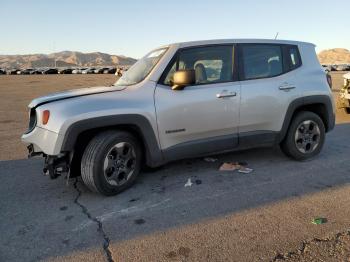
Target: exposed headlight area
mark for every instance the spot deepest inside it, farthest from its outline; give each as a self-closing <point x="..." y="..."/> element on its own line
<point x="32" y="120"/>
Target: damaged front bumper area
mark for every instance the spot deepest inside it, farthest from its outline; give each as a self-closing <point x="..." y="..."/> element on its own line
<point x="54" y="166"/>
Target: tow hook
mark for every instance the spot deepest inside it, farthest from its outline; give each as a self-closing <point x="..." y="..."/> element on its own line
<point x="56" y="166"/>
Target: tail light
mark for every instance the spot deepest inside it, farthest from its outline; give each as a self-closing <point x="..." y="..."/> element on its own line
<point x="329" y="80"/>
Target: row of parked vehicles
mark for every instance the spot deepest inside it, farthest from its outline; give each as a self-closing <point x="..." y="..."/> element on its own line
<point x="340" y="67"/>
<point x="50" y="71"/>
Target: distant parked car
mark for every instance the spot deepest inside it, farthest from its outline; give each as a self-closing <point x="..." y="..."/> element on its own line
<point x="36" y="72"/>
<point x="100" y="70"/>
<point x="27" y="71"/>
<point x="2" y="72"/>
<point x="88" y="71"/>
<point x="78" y="70"/>
<point x="12" y="71"/>
<point x="50" y="71"/>
<point x="342" y="68"/>
<point x="65" y="71"/>
<point x="110" y="70"/>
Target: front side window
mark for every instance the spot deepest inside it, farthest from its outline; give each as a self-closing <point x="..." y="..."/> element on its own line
<point x="261" y="61"/>
<point x="141" y="68"/>
<point x="212" y="64"/>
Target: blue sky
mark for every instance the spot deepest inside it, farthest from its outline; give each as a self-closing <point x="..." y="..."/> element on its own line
<point x="133" y="27"/>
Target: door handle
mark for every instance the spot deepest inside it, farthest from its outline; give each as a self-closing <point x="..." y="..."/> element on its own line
<point x="226" y="94"/>
<point x="286" y="87"/>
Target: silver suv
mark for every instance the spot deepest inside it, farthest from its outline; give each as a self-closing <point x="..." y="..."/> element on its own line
<point x="185" y="100"/>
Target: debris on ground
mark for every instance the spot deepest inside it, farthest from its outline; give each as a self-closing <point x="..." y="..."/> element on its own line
<point x="188" y="183"/>
<point x="229" y="167"/>
<point x="210" y="159"/>
<point x="245" y="170"/>
<point x="198" y="181"/>
<point x="319" y="220"/>
<point x="233" y="166"/>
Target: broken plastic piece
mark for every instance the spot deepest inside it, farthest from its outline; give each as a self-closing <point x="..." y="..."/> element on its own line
<point x="245" y="170"/>
<point x="229" y="167"/>
<point x="210" y="159"/>
<point x="319" y="220"/>
<point x="188" y="183"/>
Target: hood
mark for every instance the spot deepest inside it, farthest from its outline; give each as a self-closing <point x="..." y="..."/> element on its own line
<point x="347" y="76"/>
<point x="74" y="93"/>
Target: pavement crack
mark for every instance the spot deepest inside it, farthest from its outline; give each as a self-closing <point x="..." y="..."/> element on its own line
<point x="100" y="229"/>
<point x="306" y="246"/>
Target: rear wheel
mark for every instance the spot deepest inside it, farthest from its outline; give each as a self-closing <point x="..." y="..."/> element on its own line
<point x="305" y="137"/>
<point x="111" y="162"/>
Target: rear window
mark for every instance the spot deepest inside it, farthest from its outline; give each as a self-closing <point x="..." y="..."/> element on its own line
<point x="261" y="61"/>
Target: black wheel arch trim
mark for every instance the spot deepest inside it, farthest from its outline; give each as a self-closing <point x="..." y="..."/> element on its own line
<point x="153" y="154"/>
<point x="308" y="101"/>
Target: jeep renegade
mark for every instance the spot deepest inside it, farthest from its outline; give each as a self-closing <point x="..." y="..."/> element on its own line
<point x="185" y="100"/>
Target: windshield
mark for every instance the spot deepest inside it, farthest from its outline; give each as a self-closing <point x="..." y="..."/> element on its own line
<point x="141" y="68"/>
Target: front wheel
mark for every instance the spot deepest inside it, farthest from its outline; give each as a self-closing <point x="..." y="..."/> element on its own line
<point x="305" y="137"/>
<point x="111" y="162"/>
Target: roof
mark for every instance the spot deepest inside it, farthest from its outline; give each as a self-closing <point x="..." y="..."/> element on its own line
<point x="230" y="41"/>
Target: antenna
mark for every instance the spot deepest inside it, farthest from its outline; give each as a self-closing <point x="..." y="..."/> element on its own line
<point x="276" y="35"/>
<point x="54" y="50"/>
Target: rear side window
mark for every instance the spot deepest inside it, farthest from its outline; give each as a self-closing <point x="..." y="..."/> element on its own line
<point x="261" y="61"/>
<point x="294" y="57"/>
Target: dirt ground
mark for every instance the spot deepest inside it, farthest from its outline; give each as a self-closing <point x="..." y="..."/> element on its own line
<point x="16" y="92"/>
<point x="282" y="223"/>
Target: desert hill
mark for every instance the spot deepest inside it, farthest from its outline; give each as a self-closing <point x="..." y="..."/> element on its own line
<point x="334" y="56"/>
<point x="65" y="58"/>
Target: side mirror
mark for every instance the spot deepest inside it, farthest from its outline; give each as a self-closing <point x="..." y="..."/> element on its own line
<point x="183" y="78"/>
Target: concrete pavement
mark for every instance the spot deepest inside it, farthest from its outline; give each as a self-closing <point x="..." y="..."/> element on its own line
<point x="258" y="215"/>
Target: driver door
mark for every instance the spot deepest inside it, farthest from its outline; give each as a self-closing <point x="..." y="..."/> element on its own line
<point x="202" y="118"/>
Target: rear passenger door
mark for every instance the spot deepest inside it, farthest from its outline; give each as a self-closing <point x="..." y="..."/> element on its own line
<point x="267" y="78"/>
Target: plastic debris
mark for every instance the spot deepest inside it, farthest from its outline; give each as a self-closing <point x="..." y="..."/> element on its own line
<point x="319" y="220"/>
<point x="233" y="166"/>
<point x="229" y="167"/>
<point x="245" y="170"/>
<point x="188" y="183"/>
<point x="210" y="159"/>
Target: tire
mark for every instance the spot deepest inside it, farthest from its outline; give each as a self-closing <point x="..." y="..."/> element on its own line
<point x="302" y="146"/>
<point x="107" y="160"/>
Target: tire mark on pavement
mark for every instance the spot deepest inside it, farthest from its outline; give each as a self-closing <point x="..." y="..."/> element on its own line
<point x="95" y="220"/>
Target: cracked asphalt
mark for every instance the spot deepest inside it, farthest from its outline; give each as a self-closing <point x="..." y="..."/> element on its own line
<point x="228" y="216"/>
<point x="223" y="216"/>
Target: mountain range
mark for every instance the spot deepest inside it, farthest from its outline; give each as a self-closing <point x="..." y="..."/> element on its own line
<point x="64" y="59"/>
<point x="73" y="58"/>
